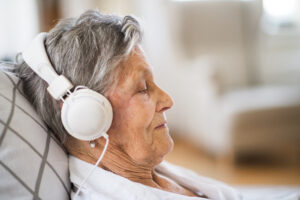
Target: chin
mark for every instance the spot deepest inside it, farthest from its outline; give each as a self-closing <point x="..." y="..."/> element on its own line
<point x="160" y="150"/>
<point x="162" y="145"/>
<point x="171" y="145"/>
<point x="166" y="147"/>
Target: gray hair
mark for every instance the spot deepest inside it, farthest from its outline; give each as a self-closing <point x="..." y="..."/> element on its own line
<point x="87" y="51"/>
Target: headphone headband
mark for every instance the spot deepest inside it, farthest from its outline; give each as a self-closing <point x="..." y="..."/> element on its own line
<point x="37" y="59"/>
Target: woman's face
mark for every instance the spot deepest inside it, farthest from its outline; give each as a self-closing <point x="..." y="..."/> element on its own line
<point x="139" y="124"/>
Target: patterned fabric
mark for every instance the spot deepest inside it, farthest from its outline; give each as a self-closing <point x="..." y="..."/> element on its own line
<point x="33" y="165"/>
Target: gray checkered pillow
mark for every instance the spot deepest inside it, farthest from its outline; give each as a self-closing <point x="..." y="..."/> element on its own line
<point x="32" y="163"/>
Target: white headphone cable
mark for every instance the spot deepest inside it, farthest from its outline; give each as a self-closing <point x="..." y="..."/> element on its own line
<point x="95" y="166"/>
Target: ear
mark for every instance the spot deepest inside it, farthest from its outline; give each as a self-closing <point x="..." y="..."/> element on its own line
<point x="61" y="105"/>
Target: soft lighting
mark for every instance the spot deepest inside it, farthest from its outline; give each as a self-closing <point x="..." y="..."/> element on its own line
<point x="280" y="8"/>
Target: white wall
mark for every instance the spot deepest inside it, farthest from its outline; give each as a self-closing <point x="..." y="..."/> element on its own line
<point x="73" y="8"/>
<point x="278" y="59"/>
<point x="19" y="23"/>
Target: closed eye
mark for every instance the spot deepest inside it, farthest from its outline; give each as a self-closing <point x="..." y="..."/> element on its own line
<point x="143" y="91"/>
<point x="143" y="87"/>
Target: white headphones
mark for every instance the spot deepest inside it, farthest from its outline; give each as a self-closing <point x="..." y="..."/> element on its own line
<point x="85" y="114"/>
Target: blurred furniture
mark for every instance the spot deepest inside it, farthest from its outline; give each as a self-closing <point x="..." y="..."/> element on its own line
<point x="263" y="123"/>
<point x="255" y="123"/>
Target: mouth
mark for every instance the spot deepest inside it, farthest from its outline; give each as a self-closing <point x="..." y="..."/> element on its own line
<point x="162" y="125"/>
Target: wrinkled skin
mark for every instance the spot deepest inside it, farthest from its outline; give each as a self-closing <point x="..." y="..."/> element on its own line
<point x="139" y="135"/>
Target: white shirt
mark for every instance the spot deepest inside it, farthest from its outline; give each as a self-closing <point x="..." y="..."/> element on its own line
<point x="106" y="185"/>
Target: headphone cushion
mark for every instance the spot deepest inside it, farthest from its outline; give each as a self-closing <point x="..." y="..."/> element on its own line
<point x="86" y="114"/>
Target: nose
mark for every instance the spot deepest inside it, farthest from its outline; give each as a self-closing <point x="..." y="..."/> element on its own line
<point x="165" y="102"/>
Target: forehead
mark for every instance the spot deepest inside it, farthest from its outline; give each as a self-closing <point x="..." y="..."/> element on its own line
<point x="134" y="66"/>
<point x="132" y="70"/>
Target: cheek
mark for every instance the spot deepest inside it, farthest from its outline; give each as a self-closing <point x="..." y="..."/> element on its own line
<point x="131" y="126"/>
<point x="140" y="112"/>
<point x="134" y="115"/>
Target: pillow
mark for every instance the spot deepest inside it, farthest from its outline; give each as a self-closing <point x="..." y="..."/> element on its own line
<point x="33" y="165"/>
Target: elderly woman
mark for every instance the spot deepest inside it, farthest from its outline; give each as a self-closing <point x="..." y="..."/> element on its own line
<point x="103" y="53"/>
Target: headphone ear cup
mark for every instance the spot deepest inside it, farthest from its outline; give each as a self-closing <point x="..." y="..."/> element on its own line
<point x="86" y="114"/>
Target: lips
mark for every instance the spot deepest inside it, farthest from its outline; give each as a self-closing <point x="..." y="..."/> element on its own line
<point x="164" y="124"/>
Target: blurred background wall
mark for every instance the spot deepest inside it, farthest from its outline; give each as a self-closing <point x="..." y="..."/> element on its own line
<point x="231" y="66"/>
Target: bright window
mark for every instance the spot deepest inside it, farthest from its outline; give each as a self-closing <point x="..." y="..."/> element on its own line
<point x="280" y="9"/>
<point x="281" y="16"/>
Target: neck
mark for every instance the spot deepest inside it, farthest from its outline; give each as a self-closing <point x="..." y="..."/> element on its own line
<point x="119" y="162"/>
